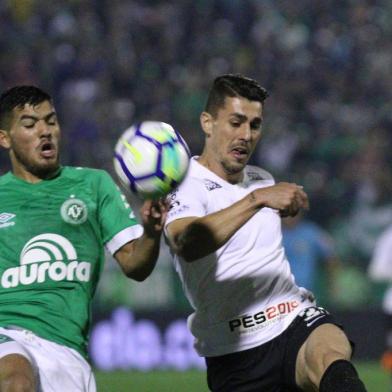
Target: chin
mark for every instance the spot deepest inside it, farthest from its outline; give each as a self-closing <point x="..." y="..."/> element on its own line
<point x="45" y="171"/>
<point x="234" y="168"/>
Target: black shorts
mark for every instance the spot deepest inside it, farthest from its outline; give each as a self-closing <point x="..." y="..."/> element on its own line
<point x="269" y="367"/>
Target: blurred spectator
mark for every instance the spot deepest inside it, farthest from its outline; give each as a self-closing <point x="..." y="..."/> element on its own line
<point x="327" y="65"/>
<point x="380" y="270"/>
<point x="311" y="253"/>
<point x="371" y="210"/>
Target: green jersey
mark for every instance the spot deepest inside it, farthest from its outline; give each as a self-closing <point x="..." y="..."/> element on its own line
<point x="52" y="239"/>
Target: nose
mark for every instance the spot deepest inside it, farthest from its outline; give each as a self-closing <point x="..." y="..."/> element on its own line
<point x="245" y="132"/>
<point x="43" y="128"/>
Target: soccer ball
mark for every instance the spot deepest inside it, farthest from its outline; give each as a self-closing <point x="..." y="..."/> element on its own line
<point x="151" y="159"/>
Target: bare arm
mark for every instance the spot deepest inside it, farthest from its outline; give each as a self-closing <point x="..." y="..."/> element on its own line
<point x="137" y="258"/>
<point x="194" y="237"/>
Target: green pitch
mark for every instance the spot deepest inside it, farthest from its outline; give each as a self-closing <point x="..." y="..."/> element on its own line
<point x="375" y="379"/>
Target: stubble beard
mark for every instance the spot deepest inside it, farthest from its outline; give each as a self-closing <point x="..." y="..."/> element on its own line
<point x="232" y="169"/>
<point x="42" y="171"/>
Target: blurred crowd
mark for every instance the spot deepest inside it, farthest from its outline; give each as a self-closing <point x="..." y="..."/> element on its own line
<point x="327" y="65"/>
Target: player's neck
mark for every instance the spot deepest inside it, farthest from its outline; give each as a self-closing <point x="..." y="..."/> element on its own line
<point x="33" y="178"/>
<point x="217" y="168"/>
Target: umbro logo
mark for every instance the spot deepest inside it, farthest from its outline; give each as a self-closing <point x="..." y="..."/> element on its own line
<point x="5" y="218"/>
<point x="211" y="185"/>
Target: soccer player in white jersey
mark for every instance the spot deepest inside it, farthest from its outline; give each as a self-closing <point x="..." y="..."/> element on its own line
<point x="54" y="224"/>
<point x="257" y="330"/>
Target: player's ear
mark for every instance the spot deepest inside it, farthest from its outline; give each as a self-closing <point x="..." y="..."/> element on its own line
<point x="5" y="141"/>
<point x="206" y="123"/>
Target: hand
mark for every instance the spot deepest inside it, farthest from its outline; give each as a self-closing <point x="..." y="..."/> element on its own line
<point x="153" y="215"/>
<point x="287" y="198"/>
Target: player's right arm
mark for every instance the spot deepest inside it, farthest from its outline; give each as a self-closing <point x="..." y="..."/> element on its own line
<point x="195" y="237"/>
<point x="137" y="258"/>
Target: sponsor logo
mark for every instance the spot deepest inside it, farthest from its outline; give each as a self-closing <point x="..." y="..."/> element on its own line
<point x="174" y="204"/>
<point x="177" y="209"/>
<point x="254" y="176"/>
<point x="253" y="322"/>
<point x="45" y="257"/>
<point x="312" y="314"/>
<point x="172" y="199"/>
<point x="74" y="211"/>
<point x="211" y="185"/>
<point x="5" y="218"/>
<point x="5" y="339"/>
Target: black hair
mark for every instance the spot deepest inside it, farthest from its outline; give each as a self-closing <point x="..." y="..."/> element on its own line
<point x="18" y="97"/>
<point x="233" y="85"/>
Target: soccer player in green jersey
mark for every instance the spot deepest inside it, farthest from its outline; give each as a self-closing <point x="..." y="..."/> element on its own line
<point x="54" y="224"/>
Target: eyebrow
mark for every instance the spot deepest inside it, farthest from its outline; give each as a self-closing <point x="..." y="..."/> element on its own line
<point x="242" y="117"/>
<point x="35" y="118"/>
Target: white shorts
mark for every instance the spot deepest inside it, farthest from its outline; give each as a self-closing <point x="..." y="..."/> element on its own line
<point x="59" y="368"/>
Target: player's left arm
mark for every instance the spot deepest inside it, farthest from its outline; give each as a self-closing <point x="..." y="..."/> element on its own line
<point x="137" y="258"/>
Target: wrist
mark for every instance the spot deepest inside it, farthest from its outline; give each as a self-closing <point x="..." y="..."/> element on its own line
<point x="152" y="234"/>
<point x="255" y="200"/>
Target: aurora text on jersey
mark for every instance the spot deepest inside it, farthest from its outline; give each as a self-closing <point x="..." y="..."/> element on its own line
<point x="50" y="263"/>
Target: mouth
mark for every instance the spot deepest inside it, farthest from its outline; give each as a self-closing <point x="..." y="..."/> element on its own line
<point x="239" y="152"/>
<point x="47" y="150"/>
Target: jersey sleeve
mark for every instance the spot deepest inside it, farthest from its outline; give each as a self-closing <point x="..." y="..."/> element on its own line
<point x="116" y="218"/>
<point x="190" y="199"/>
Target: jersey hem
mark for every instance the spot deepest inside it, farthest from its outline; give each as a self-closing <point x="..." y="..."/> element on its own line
<point x="234" y="348"/>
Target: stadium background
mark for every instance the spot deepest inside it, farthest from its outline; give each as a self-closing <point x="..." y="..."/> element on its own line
<point x="110" y="63"/>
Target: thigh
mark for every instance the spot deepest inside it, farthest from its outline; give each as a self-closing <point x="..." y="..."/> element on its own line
<point x="297" y="336"/>
<point x="16" y="364"/>
<point x="62" y="369"/>
<point x="326" y="344"/>
<point x="58" y="367"/>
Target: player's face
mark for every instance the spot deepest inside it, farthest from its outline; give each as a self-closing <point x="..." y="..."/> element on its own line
<point x="232" y="135"/>
<point x="33" y="140"/>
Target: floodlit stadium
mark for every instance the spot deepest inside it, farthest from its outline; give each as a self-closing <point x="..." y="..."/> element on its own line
<point x="328" y="126"/>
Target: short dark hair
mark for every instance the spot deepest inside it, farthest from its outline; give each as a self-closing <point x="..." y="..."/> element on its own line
<point x="233" y="85"/>
<point x="19" y="96"/>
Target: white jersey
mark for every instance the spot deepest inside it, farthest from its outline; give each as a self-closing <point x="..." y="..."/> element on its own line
<point x="380" y="268"/>
<point x="244" y="293"/>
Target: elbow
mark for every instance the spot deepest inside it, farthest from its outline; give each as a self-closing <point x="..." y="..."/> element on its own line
<point x="190" y="257"/>
<point x="188" y="253"/>
<point x="139" y="273"/>
<point x="138" y="276"/>
<point x="194" y="242"/>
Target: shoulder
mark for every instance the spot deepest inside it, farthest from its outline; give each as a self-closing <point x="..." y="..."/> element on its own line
<point x="80" y="171"/>
<point x="94" y="179"/>
<point x="200" y="179"/>
<point x="256" y="173"/>
<point x="196" y="175"/>
<point x="86" y="173"/>
<point x="5" y="178"/>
